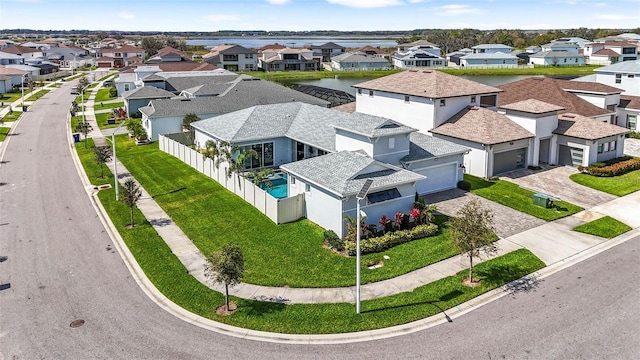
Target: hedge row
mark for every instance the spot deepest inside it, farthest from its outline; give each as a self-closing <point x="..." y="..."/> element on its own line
<point x="391" y="239"/>
<point x="614" y="169"/>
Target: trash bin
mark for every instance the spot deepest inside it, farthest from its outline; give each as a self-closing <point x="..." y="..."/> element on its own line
<point x="24" y="108"/>
<point x="76" y="137"/>
<point x="542" y="200"/>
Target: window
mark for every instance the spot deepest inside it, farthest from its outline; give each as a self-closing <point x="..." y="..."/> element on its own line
<point x="293" y="180"/>
<point x="628" y="50"/>
<point x="442" y="102"/>
<point x="600" y="148"/>
<point x="370" y="93"/>
<point x="307" y="188"/>
<point x="473" y="99"/>
<point x="605" y="147"/>
<point x="632" y="122"/>
<point x="576" y="60"/>
<point x="265" y="155"/>
<point x="359" y="91"/>
<point x="565" y="59"/>
<point x="630" y="76"/>
<point x="612" y="146"/>
<point x="618" y="78"/>
<point x="384" y="195"/>
<point x="392" y="143"/>
<point x="406" y="99"/>
<point x="126" y="87"/>
<point x="248" y="56"/>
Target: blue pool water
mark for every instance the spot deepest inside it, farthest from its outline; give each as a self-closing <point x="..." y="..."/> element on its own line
<point x="279" y="190"/>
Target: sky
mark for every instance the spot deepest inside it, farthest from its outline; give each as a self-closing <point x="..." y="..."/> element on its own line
<point x="301" y="15"/>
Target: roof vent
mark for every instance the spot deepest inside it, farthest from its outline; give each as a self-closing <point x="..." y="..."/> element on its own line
<point x="389" y="126"/>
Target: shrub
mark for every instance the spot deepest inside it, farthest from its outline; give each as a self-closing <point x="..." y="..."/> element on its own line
<point x="634" y="134"/>
<point x="419" y="203"/>
<point x="334" y="240"/>
<point x="113" y="92"/>
<point x="391" y="239"/>
<point x="494" y="178"/>
<point x="137" y="115"/>
<point x="464" y="185"/>
<point x="598" y="164"/>
<point x="614" y="167"/>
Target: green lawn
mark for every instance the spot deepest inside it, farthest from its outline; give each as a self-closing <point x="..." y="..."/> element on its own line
<point x="37" y="95"/>
<point x="101" y="106"/>
<point x="103" y="95"/>
<point x="86" y="95"/>
<point x="211" y="216"/>
<point x="12" y="116"/>
<point x="537" y="70"/>
<point x="616" y="185"/>
<point x="606" y="227"/>
<point x="170" y="277"/>
<point x="517" y="198"/>
<point x="10" y="97"/>
<point x="3" y="132"/>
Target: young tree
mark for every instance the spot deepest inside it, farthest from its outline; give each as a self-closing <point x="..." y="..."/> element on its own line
<point x="472" y="232"/>
<point x="84" y="128"/>
<point x="186" y="124"/>
<point x="261" y="178"/>
<point x="131" y="193"/>
<point x="238" y="164"/>
<point x="83" y="84"/>
<point x="102" y="154"/>
<point x="226" y="267"/>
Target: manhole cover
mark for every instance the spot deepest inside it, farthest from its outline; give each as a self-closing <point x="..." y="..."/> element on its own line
<point x="77" y="323"/>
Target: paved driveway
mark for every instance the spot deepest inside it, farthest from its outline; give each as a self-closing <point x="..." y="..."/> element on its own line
<point x="506" y="220"/>
<point x="554" y="181"/>
<point x="632" y="147"/>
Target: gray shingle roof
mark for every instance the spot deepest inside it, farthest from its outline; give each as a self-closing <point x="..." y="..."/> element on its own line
<point x="373" y="126"/>
<point x="359" y="58"/>
<point x="556" y="53"/>
<point x="343" y="173"/>
<point x="147" y="92"/>
<point x="423" y="147"/>
<point x="496" y="55"/>
<point x="630" y="66"/>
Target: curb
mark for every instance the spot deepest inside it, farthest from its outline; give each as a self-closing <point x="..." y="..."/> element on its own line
<point x="163" y="302"/>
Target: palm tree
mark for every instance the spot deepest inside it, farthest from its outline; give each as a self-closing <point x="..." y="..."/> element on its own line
<point x="186" y="124"/>
<point x="131" y="194"/>
<point x="238" y="164"/>
<point x="427" y="214"/>
<point x="261" y="178"/>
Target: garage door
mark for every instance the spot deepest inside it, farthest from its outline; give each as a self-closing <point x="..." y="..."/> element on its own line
<point x="570" y="156"/>
<point x="509" y="160"/>
<point x="439" y="178"/>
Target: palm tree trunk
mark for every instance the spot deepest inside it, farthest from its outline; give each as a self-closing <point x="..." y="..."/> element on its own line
<point x="226" y="295"/>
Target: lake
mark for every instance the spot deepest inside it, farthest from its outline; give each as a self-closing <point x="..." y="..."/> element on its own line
<point x="345" y="84"/>
<point x="251" y="42"/>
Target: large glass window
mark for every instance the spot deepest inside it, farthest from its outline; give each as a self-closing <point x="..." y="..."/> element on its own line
<point x="632" y="122"/>
<point x="383" y="195"/>
<point x="265" y="155"/>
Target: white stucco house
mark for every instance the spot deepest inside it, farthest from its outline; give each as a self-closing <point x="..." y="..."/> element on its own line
<point x="623" y="75"/>
<point x="327" y="155"/>
<point x="489" y="59"/>
<point x="557" y="58"/>
<point x="359" y="61"/>
<point x="507" y="133"/>
<point x="232" y="57"/>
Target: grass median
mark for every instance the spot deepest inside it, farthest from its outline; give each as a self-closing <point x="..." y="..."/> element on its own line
<point x="170" y="277"/>
<point x="606" y="227"/>
<point x="620" y="185"/>
<point x="517" y="198"/>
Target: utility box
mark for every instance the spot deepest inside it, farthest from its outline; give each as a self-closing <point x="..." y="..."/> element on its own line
<point x="542" y="200"/>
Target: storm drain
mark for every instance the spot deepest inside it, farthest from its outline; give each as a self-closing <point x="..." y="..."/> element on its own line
<point x="77" y="323"/>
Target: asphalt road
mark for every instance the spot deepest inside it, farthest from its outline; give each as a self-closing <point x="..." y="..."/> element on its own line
<point x="58" y="265"/>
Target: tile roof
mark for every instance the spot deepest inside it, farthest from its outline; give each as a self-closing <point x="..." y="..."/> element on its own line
<point x="532" y="106"/>
<point x="582" y="127"/>
<point x="147" y="92"/>
<point x="550" y="91"/>
<point x="368" y="49"/>
<point x="418" y="43"/>
<point x="348" y="107"/>
<point x="590" y="87"/>
<point x="349" y="171"/>
<point x="422" y="146"/>
<point x="128" y="49"/>
<point x="17" y="49"/>
<point x="428" y="84"/>
<point x="482" y="126"/>
<point x="606" y="52"/>
<point x="328" y="45"/>
<point x="630" y="102"/>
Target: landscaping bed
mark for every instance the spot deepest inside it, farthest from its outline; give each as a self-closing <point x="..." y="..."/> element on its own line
<point x="606" y="227"/>
<point x="517" y="198"/>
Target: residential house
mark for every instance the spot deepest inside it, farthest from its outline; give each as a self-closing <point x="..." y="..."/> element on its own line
<point x="422" y="44"/>
<point x="610" y="52"/>
<point x="629" y="112"/>
<point x="70" y="57"/>
<point x="288" y="59"/>
<point x="168" y="54"/>
<point x="232" y="93"/>
<point x="370" y="50"/>
<point x="45" y="67"/>
<point x="232" y="58"/>
<point x="305" y="140"/>
<point x="497" y="123"/>
<point x="417" y="57"/>
<point x="580" y="42"/>
<point x="132" y="78"/>
<point x="119" y="57"/>
<point x="488" y="59"/>
<point x="491" y="49"/>
<point x="327" y="51"/>
<point x="10" y="59"/>
<point x="623" y="75"/>
<point x="454" y="57"/>
<point x="359" y="61"/>
<point x="136" y="98"/>
<point x="557" y="58"/>
<point x="10" y="78"/>
<point x="25" y="52"/>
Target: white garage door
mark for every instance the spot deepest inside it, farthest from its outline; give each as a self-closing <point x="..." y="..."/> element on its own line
<point x="439" y="178"/>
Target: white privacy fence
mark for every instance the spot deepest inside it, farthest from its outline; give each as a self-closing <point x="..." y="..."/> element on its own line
<point x="278" y="210"/>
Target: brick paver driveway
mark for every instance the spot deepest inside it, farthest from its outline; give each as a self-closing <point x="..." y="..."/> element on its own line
<point x="554" y="181"/>
<point x="507" y="221"/>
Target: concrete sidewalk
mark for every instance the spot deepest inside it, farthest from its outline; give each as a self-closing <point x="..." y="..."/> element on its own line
<point x="552" y="242"/>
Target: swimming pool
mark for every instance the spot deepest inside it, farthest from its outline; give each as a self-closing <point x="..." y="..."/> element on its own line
<point x="279" y="182"/>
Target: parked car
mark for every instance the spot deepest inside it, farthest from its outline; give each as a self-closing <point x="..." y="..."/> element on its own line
<point x="107" y="83"/>
<point x="75" y="91"/>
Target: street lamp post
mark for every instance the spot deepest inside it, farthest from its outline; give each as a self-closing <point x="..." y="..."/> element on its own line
<point x="22" y="87"/>
<point x="361" y="195"/>
<point x="115" y="159"/>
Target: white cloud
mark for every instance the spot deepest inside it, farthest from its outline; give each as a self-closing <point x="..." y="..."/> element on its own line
<point x="614" y="17"/>
<point x="278" y="2"/>
<point x="455" y="10"/>
<point x="366" y="4"/>
<point x="600" y="4"/>
<point x="222" y="17"/>
<point x="126" y="15"/>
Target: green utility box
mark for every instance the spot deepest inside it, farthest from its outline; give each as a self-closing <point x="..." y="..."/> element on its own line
<point x="542" y="200"/>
